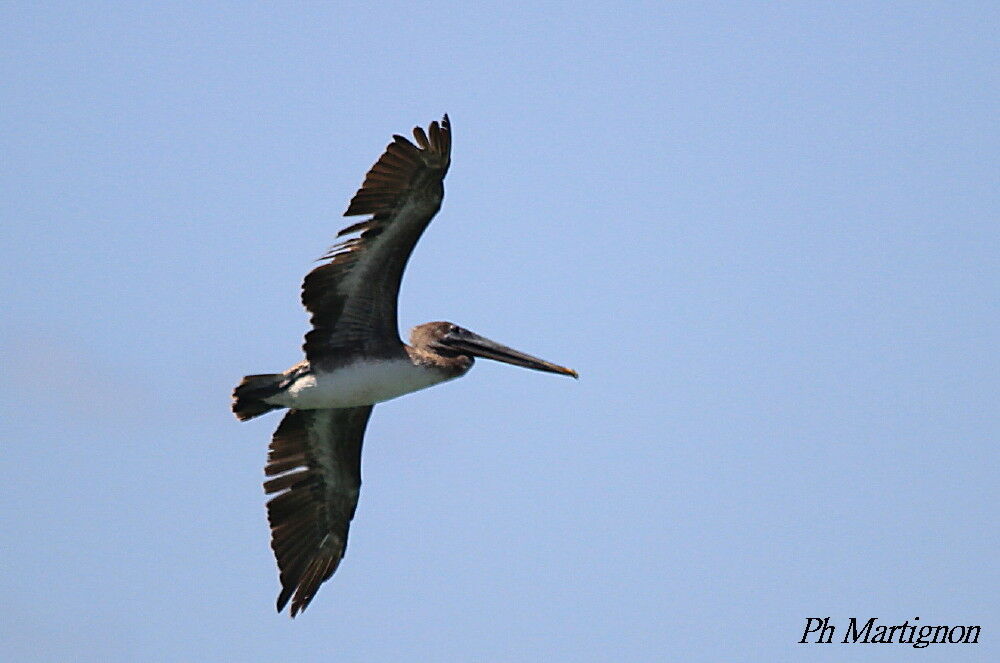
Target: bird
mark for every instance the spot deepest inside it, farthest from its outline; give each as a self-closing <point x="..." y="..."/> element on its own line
<point x="354" y="358"/>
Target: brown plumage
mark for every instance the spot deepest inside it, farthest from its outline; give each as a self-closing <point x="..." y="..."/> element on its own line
<point x="352" y="298"/>
<point x="355" y="358"/>
<point x="315" y="455"/>
<point x="315" y="465"/>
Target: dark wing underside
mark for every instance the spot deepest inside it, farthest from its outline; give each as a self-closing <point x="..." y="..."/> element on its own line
<point x="315" y="462"/>
<point x="352" y="298"/>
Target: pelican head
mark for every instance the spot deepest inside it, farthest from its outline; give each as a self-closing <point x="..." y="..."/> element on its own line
<point x="447" y="339"/>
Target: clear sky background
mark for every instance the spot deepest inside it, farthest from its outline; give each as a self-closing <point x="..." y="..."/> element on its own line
<point x="764" y="233"/>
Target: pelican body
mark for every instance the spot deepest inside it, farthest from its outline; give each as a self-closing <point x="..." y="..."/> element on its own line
<point x="355" y="359"/>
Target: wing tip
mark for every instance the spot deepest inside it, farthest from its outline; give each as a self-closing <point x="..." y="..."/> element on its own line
<point x="302" y="590"/>
<point x="394" y="169"/>
<point x="286" y="593"/>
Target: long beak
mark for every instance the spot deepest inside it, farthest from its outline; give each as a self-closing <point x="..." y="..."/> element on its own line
<point x="478" y="346"/>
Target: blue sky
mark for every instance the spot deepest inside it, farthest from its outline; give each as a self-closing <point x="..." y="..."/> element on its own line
<point x="765" y="234"/>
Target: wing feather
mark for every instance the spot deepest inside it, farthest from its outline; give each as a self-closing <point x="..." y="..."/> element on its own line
<point x="315" y="462"/>
<point x="359" y="285"/>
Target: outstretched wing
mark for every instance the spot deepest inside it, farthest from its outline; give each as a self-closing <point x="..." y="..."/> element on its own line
<point x="352" y="298"/>
<point x="315" y="462"/>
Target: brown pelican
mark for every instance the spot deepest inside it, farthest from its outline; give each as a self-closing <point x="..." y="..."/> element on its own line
<point x="354" y="359"/>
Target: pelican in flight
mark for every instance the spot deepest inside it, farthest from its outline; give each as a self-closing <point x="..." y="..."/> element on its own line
<point x="354" y="359"/>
